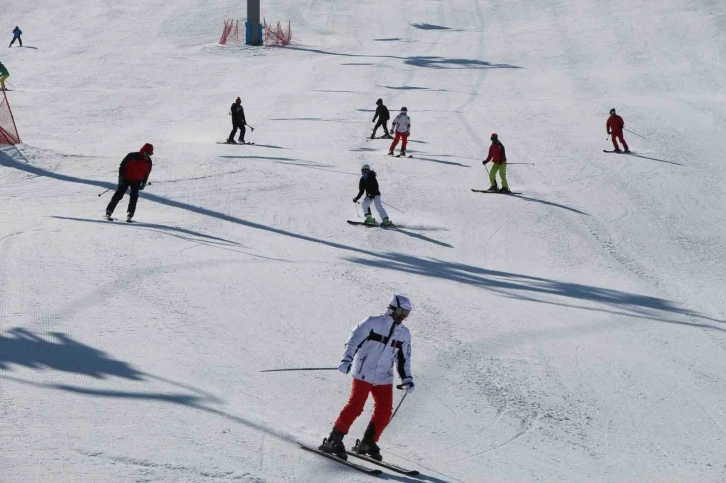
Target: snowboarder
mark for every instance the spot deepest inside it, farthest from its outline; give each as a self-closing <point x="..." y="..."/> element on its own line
<point x="374" y="347"/>
<point x="133" y="173"/>
<point x="16" y="36"/>
<point x="238" y="122"/>
<point x="401" y="130"/>
<point x="369" y="185"/>
<point x="3" y="75"/>
<point x="383" y="117"/>
<point x="498" y="156"/>
<point x="614" y="126"/>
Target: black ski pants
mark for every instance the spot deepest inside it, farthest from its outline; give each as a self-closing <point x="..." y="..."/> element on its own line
<point x="14" y="39"/>
<point x="381" y="122"/>
<point x="121" y="191"/>
<point x="242" y="130"/>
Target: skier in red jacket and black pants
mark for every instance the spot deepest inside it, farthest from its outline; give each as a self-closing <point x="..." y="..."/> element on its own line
<point x="614" y="126"/>
<point x="133" y="173"/>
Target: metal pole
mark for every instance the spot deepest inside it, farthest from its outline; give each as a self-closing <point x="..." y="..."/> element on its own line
<point x="399" y="405"/>
<point x="253" y="20"/>
<point x="390" y="206"/>
<point x="631" y="132"/>
<point x="302" y="369"/>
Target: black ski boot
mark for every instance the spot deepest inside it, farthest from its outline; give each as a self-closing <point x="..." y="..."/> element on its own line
<point x="368" y="447"/>
<point x="231" y="141"/>
<point x="493" y="188"/>
<point x="333" y="444"/>
<point x="390" y="153"/>
<point x="505" y="190"/>
<point x="403" y="153"/>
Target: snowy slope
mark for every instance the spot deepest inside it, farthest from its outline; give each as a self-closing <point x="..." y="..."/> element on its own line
<point x="576" y="332"/>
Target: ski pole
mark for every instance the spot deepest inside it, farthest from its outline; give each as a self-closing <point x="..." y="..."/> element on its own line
<point x="392" y="207"/>
<point x="399" y="404"/>
<point x="99" y="194"/>
<point x="631" y="132"/>
<point x="253" y="129"/>
<point x="356" y="209"/>
<point x="530" y="164"/>
<point x="302" y="369"/>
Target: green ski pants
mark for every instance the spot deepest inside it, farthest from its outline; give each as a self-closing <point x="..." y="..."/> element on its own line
<point x="502" y="170"/>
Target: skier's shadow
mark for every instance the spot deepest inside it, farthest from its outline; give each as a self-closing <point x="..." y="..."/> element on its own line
<point x="409" y="479"/>
<point x="655" y="159"/>
<point x="420" y="237"/>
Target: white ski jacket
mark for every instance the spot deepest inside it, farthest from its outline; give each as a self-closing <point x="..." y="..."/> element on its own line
<point x="402" y="123"/>
<point x="374" y="346"/>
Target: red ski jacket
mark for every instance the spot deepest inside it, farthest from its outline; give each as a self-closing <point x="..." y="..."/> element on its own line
<point x="135" y="167"/>
<point x="497" y="154"/>
<point x="615" y="124"/>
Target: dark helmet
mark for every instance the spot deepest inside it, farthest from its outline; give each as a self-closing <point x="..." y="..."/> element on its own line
<point x="404" y="109"/>
<point x="494" y="137"/>
<point x="612" y="111"/>
<point x="379" y="101"/>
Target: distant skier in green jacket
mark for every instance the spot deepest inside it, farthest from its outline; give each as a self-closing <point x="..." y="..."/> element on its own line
<point x="3" y="75"/>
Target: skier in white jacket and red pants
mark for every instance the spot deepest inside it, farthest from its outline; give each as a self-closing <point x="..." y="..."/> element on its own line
<point x="401" y="130"/>
<point x="374" y="347"/>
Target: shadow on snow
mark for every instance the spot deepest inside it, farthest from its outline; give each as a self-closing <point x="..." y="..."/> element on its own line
<point x="503" y="283"/>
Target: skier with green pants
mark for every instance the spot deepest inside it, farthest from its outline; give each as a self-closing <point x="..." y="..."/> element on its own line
<point x="3" y="75"/>
<point x="498" y="156"/>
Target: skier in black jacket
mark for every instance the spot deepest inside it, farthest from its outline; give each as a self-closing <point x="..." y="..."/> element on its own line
<point x="369" y="184"/>
<point x="383" y="117"/>
<point x="238" y="122"/>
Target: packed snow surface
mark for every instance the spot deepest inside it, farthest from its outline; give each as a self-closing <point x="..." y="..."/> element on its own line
<point x="576" y="332"/>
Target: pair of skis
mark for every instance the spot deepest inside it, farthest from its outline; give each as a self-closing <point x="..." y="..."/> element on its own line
<point x="359" y="467"/>
<point x="110" y="218"/>
<point x="497" y="192"/>
<point x="357" y="223"/>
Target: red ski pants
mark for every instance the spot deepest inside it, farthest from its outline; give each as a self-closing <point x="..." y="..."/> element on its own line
<point x="619" y="135"/>
<point x="382" y="407"/>
<point x="399" y="135"/>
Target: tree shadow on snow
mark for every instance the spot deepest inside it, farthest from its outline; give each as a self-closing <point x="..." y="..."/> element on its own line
<point x="428" y="26"/>
<point x="159" y="227"/>
<point x="24" y="348"/>
<point x="27" y="349"/>
<point x="292" y="162"/>
<point x="431" y="62"/>
<point x="441" y="161"/>
<point x="502" y="283"/>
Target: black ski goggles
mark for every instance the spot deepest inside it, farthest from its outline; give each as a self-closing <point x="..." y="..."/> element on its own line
<point x="400" y="311"/>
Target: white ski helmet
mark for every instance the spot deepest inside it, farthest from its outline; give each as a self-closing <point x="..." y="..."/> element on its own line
<point x="399" y="305"/>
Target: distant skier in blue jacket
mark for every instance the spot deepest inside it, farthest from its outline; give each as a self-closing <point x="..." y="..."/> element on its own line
<point x="16" y="36"/>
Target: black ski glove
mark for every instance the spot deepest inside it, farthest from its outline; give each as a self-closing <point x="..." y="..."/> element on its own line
<point x="355" y="200"/>
<point x="484" y="162"/>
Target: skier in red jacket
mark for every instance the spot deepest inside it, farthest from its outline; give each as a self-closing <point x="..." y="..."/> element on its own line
<point x="614" y="127"/>
<point x="133" y="173"/>
<point x="498" y="156"/>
